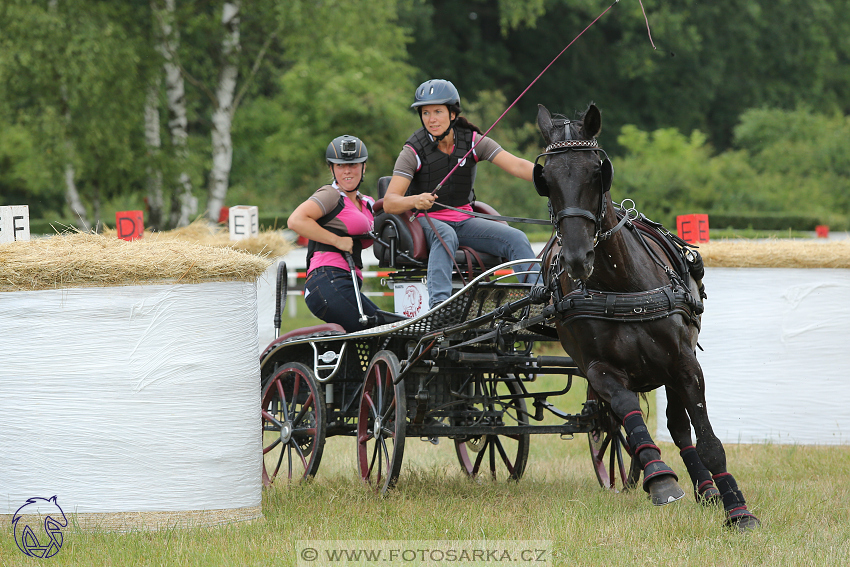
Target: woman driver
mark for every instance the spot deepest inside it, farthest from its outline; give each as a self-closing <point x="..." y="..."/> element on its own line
<point x="328" y="219"/>
<point x="426" y="158"/>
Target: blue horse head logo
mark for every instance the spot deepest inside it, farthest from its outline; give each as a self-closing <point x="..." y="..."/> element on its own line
<point x="54" y="520"/>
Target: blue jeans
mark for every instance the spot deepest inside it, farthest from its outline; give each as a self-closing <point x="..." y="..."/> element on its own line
<point x="479" y="234"/>
<point x="330" y="296"/>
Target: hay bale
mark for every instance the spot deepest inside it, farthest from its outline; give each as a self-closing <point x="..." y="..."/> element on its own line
<point x="776" y="254"/>
<point x="128" y="369"/>
<point x="269" y="243"/>
<point x="92" y="260"/>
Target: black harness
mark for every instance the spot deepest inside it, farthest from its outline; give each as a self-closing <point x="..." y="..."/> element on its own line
<point x="649" y="305"/>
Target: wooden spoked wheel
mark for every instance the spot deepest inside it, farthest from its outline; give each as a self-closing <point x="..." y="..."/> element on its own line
<point x="381" y="423"/>
<point x="293" y="415"/>
<point x="612" y="459"/>
<point x="502" y="456"/>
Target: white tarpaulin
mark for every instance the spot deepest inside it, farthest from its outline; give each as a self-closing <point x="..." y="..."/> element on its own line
<point x="776" y="346"/>
<point x="266" y="303"/>
<point x="138" y="398"/>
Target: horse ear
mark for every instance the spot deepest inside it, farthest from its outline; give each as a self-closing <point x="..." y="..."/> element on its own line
<point x="591" y="122"/>
<point x="544" y="122"/>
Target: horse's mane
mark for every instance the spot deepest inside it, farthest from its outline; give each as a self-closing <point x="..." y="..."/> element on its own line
<point x="559" y="120"/>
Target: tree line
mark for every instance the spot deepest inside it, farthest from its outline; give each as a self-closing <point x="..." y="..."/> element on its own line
<point x="181" y="107"/>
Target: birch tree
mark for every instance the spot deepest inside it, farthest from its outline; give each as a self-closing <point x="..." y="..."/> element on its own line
<point x="223" y="109"/>
<point x="184" y="205"/>
<point x="153" y="142"/>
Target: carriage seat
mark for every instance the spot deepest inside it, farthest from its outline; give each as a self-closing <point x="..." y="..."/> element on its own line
<point x="408" y="237"/>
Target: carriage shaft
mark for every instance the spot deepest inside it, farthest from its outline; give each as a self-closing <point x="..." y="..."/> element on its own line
<point x="575" y="425"/>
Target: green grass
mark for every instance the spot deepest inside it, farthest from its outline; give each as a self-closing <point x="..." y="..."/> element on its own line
<point x="800" y="493"/>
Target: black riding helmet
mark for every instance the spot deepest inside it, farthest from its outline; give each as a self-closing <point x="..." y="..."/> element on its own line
<point x="437" y="91"/>
<point x="347" y="149"/>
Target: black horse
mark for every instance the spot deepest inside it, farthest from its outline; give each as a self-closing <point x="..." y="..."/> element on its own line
<point x="627" y="316"/>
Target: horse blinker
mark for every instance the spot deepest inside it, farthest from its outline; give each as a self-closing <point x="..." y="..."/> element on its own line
<point x="607" y="173"/>
<point x="539" y="181"/>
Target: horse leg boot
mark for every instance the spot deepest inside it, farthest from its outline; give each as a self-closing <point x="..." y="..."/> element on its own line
<point x="737" y="514"/>
<point x="659" y="480"/>
<point x="712" y="454"/>
<point x="680" y="429"/>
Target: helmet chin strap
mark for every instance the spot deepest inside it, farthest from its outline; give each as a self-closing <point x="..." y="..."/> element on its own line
<point x="438" y="139"/>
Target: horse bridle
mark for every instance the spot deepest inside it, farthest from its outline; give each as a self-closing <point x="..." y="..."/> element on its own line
<point x="606" y="177"/>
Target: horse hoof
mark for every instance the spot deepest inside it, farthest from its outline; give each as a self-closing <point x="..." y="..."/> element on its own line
<point x="743" y="522"/>
<point x="709" y="497"/>
<point x="664" y="490"/>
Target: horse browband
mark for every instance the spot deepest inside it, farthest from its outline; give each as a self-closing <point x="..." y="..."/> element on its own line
<point x="567" y="144"/>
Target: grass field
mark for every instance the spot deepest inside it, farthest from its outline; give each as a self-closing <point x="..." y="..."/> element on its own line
<point x="800" y="493"/>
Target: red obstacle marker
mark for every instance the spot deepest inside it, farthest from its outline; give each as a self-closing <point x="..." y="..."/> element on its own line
<point x="822" y="231"/>
<point x="692" y="228"/>
<point x="130" y="225"/>
<point x="224" y="215"/>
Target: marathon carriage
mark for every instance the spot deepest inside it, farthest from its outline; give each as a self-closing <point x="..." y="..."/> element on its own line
<point x="465" y="371"/>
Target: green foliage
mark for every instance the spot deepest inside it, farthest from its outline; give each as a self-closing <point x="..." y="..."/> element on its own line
<point x="507" y="194"/>
<point x="805" y="155"/>
<point x="74" y="75"/>
<point x="667" y="174"/>
<point x="764" y="221"/>
<point x="347" y="77"/>
<point x="68" y="83"/>
<point x="792" y="170"/>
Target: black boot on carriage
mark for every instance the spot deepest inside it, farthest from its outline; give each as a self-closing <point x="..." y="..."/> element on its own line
<point x="704" y="490"/>
<point x="737" y="515"/>
<point x="659" y="480"/>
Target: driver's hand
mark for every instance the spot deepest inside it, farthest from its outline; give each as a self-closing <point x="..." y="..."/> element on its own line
<point x="424" y="201"/>
<point x="345" y="244"/>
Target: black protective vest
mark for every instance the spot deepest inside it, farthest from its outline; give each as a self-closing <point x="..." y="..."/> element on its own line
<point x="313" y="246"/>
<point x="458" y="189"/>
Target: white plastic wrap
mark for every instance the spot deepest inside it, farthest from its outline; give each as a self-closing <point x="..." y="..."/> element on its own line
<point x="142" y="398"/>
<point x="266" y="302"/>
<point x="775" y="360"/>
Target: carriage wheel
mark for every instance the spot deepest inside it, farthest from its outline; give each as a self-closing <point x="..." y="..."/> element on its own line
<point x="293" y="424"/>
<point x="610" y="451"/>
<point x="381" y="423"/>
<point x="504" y="456"/>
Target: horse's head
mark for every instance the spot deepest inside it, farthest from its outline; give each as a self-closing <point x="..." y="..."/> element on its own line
<point x="574" y="179"/>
